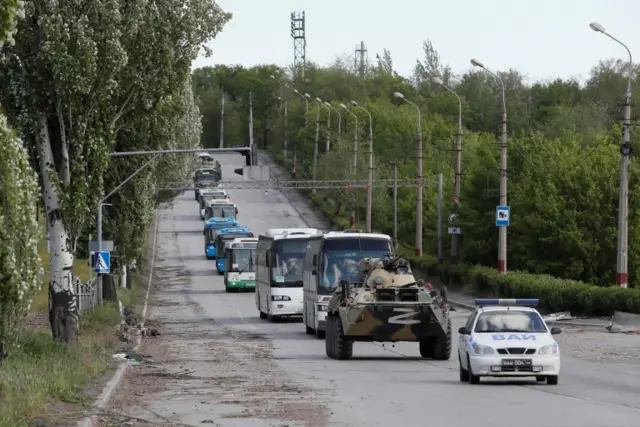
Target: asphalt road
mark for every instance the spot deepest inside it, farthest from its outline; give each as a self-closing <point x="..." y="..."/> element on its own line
<point x="219" y="364"/>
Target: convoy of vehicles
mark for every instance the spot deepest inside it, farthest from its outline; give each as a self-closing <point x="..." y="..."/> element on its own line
<point x="330" y="258"/>
<point x="279" y="269"/>
<point x="349" y="286"/>
<point x="240" y="264"/>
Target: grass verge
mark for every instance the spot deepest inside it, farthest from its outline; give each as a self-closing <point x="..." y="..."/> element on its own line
<point x="40" y="375"/>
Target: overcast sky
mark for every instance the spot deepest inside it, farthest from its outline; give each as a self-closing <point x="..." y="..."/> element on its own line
<point x="540" y="38"/>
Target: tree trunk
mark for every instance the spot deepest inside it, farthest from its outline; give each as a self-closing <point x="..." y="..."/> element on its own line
<point x="123" y="275"/>
<point x="109" y="288"/>
<point x="63" y="309"/>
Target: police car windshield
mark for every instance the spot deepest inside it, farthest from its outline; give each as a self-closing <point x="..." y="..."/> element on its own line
<point x="510" y="321"/>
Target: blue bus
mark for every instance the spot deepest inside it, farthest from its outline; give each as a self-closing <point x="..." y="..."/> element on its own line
<point x="226" y="235"/>
<point x="212" y="226"/>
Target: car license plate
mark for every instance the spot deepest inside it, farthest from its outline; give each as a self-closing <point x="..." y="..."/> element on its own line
<point x="516" y="362"/>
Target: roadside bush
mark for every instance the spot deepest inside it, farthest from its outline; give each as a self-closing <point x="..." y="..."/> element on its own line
<point x="555" y="294"/>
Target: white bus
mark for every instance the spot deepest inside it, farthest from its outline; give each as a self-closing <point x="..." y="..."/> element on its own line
<point x="240" y="264"/>
<point x="279" y="257"/>
<point x="329" y="259"/>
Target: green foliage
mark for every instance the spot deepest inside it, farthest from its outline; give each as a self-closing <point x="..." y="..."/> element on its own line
<point x="9" y="11"/>
<point x="19" y="233"/>
<point x="562" y="142"/>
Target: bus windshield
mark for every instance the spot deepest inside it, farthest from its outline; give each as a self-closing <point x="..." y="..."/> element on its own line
<point x="243" y="260"/>
<point x="340" y="258"/>
<point x="223" y="212"/>
<point x="289" y="256"/>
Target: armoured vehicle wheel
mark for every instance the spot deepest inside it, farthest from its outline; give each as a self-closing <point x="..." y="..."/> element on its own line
<point x="329" y="342"/>
<point x="473" y="379"/>
<point x="464" y="374"/>
<point x="320" y="334"/>
<point x="426" y="347"/>
<point x="442" y="345"/>
<point x="552" y="380"/>
<point x="308" y="330"/>
<point x="343" y="346"/>
<point x="263" y="315"/>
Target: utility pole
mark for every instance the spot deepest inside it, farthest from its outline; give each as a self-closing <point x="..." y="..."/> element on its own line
<point x="440" y="208"/>
<point x="455" y="238"/>
<point x="360" y="53"/>
<point x="622" y="261"/>
<point x="251" y="121"/>
<point x="222" y="122"/>
<point x="502" y="229"/>
<point x="502" y="236"/>
<point x="419" y="190"/>
<point x="328" y="129"/>
<point x="370" y="182"/>
<point x="318" y="101"/>
<point x="286" y="125"/>
<point x="395" y="204"/>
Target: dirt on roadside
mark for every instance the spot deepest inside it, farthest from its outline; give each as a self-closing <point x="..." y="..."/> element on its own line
<point x="202" y="372"/>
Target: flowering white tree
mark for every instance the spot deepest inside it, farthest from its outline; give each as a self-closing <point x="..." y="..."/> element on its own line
<point x="19" y="233"/>
<point x="78" y="75"/>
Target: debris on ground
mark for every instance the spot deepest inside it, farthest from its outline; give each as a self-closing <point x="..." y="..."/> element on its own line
<point x="626" y="323"/>
<point x="555" y="317"/>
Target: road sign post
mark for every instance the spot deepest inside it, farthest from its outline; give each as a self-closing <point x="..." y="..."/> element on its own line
<point x="503" y="214"/>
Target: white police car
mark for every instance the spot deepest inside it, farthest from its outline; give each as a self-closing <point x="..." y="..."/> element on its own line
<point x="505" y="338"/>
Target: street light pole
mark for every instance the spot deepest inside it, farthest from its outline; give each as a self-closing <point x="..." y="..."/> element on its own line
<point x="502" y="230"/>
<point x="354" y="160"/>
<point x="455" y="238"/>
<point x="370" y="183"/>
<point x="418" y="177"/>
<point x="286" y="126"/>
<point x="625" y="153"/>
<point x="306" y="123"/>
<point x="318" y="101"/>
<point x="395" y="204"/>
<point x="328" y="104"/>
<point x="324" y="104"/>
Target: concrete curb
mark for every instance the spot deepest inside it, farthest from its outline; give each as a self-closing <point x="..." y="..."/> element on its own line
<point x="110" y="387"/>
<point x="466" y="306"/>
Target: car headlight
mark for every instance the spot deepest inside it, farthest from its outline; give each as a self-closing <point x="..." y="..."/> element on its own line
<point x="322" y="307"/>
<point x="548" y="350"/>
<point x="280" y="298"/>
<point x="483" y="350"/>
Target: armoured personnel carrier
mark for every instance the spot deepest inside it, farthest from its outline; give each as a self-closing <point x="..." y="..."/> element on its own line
<point x="388" y="304"/>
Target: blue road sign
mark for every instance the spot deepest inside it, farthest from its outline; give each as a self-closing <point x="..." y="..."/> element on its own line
<point x="502" y="216"/>
<point x="103" y="262"/>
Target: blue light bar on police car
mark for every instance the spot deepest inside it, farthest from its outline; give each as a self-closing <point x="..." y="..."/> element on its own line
<point x="507" y="301"/>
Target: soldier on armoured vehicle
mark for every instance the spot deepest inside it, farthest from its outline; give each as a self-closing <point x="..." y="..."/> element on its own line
<point x="387" y="304"/>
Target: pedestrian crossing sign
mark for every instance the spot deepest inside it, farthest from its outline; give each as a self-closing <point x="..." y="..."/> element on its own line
<point x="102" y="262"/>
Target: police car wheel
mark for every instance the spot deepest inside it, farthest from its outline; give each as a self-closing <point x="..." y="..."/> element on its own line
<point x="473" y="379"/>
<point x="552" y="380"/>
<point x="464" y="374"/>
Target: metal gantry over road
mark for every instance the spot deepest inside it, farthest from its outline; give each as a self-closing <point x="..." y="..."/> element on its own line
<point x="275" y="184"/>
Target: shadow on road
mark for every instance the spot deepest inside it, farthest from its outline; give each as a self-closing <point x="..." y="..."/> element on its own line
<point x="196" y="292"/>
